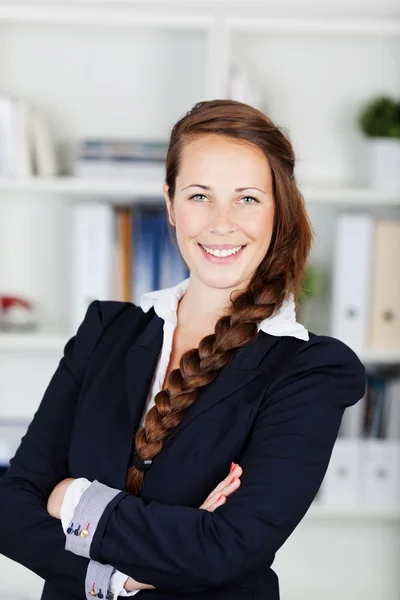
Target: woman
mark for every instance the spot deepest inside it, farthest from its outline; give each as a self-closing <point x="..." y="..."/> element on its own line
<point x="121" y="485"/>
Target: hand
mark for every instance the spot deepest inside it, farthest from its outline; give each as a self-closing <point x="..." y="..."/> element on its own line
<point x="131" y="585"/>
<point x="216" y="498"/>
<point x="225" y="488"/>
<point x="56" y="497"/>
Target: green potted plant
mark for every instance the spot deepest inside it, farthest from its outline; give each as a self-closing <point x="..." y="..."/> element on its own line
<point x="311" y="287"/>
<point x="379" y="121"/>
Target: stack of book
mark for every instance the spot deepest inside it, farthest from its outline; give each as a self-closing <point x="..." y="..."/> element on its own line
<point x="119" y="253"/>
<point x="121" y="159"/>
<point x="364" y="471"/>
<point x="366" y="282"/>
<point x="26" y="146"/>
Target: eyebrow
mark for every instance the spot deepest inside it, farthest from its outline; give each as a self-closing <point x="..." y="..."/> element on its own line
<point x="206" y="187"/>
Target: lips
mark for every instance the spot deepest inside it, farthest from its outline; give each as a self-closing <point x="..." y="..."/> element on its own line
<point x="221" y="246"/>
<point x="222" y="259"/>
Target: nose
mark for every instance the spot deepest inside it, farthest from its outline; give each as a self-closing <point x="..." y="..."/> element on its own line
<point x="223" y="222"/>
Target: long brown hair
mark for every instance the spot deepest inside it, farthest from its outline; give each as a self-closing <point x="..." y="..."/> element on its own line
<point x="280" y="273"/>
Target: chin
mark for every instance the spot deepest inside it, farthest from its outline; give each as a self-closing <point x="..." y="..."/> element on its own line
<point x="221" y="281"/>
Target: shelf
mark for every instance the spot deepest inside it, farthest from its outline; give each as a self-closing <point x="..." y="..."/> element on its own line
<point x="379" y="357"/>
<point x="71" y="186"/>
<point x="117" y="190"/>
<point x="109" y="15"/>
<point x="355" y="196"/>
<point x="382" y="27"/>
<point x="182" y="19"/>
<point x="352" y="514"/>
<point x="35" y="341"/>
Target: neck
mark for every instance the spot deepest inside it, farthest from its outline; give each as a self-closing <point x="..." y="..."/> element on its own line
<point x="201" y="306"/>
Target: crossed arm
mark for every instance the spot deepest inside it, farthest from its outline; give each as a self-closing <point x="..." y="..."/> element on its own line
<point x="181" y="548"/>
<point x="216" y="498"/>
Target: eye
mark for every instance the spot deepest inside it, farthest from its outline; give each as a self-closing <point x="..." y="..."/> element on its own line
<point x="244" y="198"/>
<point x="195" y="196"/>
<point x="251" y="198"/>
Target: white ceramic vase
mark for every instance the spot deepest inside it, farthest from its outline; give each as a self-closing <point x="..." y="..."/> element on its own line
<point x="384" y="168"/>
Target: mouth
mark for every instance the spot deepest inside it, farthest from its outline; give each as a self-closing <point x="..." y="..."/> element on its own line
<point x="224" y="256"/>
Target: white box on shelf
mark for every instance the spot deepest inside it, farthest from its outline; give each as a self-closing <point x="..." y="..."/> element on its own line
<point x="341" y="485"/>
<point x="92" y="264"/>
<point x="380" y="473"/>
<point x="352" y="279"/>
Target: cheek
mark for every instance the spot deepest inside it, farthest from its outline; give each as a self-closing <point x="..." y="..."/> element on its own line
<point x="260" y="229"/>
<point x="189" y="224"/>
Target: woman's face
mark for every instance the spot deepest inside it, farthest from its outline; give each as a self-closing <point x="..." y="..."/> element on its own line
<point x="216" y="206"/>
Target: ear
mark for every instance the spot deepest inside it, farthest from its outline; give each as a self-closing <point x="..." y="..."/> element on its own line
<point x="170" y="206"/>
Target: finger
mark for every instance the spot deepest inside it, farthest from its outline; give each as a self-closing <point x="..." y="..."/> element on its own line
<point x="236" y="472"/>
<point x="231" y="487"/>
<point x="211" y="506"/>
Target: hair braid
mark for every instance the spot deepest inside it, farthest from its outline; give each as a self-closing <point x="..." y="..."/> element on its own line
<point x="197" y="368"/>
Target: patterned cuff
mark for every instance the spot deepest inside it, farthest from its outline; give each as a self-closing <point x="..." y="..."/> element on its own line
<point x="117" y="583"/>
<point x="71" y="501"/>
<point x="97" y="583"/>
<point x="87" y="516"/>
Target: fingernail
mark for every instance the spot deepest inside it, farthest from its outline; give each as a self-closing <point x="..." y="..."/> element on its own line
<point x="233" y="465"/>
<point x="233" y="480"/>
<point x="220" y="498"/>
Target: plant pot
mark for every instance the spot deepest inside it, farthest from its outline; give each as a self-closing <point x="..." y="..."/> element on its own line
<point x="384" y="171"/>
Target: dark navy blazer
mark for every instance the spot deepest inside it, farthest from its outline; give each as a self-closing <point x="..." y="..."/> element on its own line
<point x="275" y="409"/>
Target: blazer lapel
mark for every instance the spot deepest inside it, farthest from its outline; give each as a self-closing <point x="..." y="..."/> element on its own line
<point x="243" y="368"/>
<point x="141" y="362"/>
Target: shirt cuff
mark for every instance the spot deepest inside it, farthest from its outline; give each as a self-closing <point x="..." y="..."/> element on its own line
<point x="87" y="516"/>
<point x="97" y="581"/>
<point x="71" y="501"/>
<point x="117" y="585"/>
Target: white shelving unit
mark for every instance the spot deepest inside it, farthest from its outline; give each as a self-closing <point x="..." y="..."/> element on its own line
<point x="353" y="26"/>
<point x="34" y="341"/>
<point x="79" y="189"/>
<point x="132" y="68"/>
<point x="317" y="512"/>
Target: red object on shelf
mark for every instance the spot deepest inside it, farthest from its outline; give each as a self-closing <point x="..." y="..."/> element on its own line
<point x="16" y="313"/>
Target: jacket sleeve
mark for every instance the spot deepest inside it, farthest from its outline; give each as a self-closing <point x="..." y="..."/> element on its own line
<point x="28" y="534"/>
<point x="188" y="550"/>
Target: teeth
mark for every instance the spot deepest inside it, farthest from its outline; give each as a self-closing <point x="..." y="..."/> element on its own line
<point x="224" y="252"/>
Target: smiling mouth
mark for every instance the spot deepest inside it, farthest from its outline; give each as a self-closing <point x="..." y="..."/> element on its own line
<point x="223" y="253"/>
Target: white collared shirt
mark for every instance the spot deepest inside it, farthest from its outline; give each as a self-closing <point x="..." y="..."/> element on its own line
<point x="165" y="303"/>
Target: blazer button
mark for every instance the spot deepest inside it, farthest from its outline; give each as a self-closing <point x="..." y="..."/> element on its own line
<point x="84" y="533"/>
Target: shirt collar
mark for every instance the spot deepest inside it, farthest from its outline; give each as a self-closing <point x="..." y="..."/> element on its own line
<point x="165" y="303"/>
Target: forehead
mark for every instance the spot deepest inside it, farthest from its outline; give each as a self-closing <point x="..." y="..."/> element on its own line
<point x="217" y="155"/>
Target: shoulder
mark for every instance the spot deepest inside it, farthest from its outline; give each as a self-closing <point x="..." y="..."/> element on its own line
<point x="102" y="314"/>
<point x="324" y="349"/>
<point x="104" y="320"/>
<point x="324" y="362"/>
<point x="109" y="311"/>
